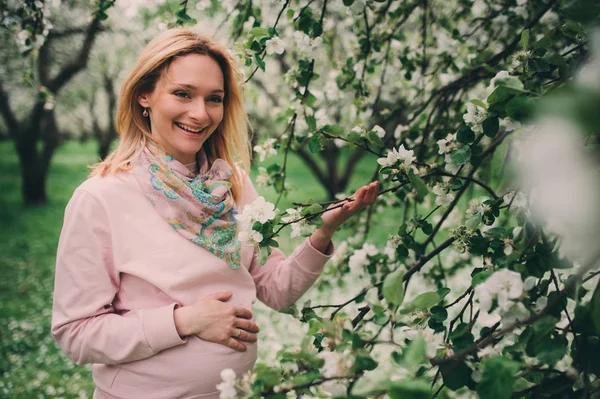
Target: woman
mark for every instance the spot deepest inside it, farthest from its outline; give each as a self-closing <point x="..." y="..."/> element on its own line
<point x="152" y="284"/>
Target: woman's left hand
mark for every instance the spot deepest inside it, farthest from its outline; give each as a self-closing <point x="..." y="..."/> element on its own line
<point x="334" y="218"/>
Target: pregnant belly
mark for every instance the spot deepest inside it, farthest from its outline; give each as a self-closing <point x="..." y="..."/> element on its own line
<point x="191" y="370"/>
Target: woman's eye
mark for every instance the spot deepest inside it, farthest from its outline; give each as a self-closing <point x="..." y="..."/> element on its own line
<point x="216" y="99"/>
<point x="182" y="94"/>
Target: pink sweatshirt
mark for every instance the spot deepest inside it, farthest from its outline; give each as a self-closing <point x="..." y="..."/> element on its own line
<point x="121" y="270"/>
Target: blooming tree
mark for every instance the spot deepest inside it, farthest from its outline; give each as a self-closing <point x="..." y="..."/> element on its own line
<point x="486" y="284"/>
<point x="473" y="294"/>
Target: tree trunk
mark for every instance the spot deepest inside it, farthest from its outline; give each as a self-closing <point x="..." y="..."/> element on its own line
<point x="33" y="179"/>
<point x="35" y="164"/>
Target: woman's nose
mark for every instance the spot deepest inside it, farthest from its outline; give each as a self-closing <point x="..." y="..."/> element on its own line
<point x="198" y="112"/>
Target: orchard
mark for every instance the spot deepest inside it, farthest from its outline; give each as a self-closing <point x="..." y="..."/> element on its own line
<point x="475" y="274"/>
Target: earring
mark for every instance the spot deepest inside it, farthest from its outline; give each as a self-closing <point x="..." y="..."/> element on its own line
<point x="145" y="113"/>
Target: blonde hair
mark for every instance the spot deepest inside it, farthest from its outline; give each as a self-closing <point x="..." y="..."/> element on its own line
<point x="229" y="142"/>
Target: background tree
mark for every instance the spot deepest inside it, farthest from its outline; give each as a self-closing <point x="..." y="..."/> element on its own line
<point x="35" y="132"/>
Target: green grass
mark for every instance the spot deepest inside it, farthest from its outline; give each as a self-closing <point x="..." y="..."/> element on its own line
<point x="31" y="364"/>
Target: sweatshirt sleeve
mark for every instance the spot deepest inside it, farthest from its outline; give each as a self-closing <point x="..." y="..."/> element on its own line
<point x="84" y="322"/>
<point x="281" y="281"/>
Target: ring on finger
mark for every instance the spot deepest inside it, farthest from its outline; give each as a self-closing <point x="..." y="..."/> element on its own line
<point x="238" y="333"/>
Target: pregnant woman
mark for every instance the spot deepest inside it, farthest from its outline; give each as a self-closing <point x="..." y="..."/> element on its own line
<point x="152" y="283"/>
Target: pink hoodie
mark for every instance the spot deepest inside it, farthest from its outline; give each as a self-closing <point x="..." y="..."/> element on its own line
<point x="121" y="270"/>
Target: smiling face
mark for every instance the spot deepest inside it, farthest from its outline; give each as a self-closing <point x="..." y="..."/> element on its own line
<point x="186" y="105"/>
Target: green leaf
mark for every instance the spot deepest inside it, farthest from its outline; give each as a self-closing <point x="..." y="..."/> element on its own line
<point x="423" y="301"/>
<point x="439" y="313"/>
<point x="499" y="94"/>
<point x="374" y="139"/>
<point x="259" y="61"/>
<point x="362" y="363"/>
<point x="393" y="287"/>
<point x="461" y="155"/>
<point x="372" y="384"/>
<point x="263" y="254"/>
<point x="491" y="126"/>
<point x="442" y="292"/>
<point x="480" y="278"/>
<point x="455" y="375"/>
<point x="465" y="135"/>
<point x="410" y="389"/>
<point x="354" y="137"/>
<point x="259" y="32"/>
<point x="414" y="354"/>
<point x="497" y="379"/>
<point x="314" y="144"/>
<point x="332" y="130"/>
<point x="584" y="11"/>
<point x="525" y="39"/>
<point x="545" y="344"/>
<point x="312" y="209"/>
<point x="417" y="183"/>
<point x="511" y="82"/>
<point x="496" y="232"/>
<point x="479" y="103"/>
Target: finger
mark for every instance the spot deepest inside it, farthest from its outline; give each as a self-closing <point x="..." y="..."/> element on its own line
<point x="246" y="325"/>
<point x="235" y="344"/>
<point x="242" y="335"/>
<point x="222" y="296"/>
<point x="359" y="197"/>
<point x="242" y="312"/>
<point x="373" y="192"/>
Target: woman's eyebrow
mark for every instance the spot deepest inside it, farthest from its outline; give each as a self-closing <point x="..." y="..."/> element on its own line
<point x="192" y="87"/>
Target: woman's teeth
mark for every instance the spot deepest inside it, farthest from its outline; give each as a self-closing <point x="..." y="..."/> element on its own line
<point x="188" y="128"/>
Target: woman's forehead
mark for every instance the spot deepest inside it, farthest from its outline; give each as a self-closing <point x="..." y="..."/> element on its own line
<point x="195" y="71"/>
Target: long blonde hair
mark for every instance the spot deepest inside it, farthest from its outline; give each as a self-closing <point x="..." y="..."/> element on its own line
<point x="229" y="142"/>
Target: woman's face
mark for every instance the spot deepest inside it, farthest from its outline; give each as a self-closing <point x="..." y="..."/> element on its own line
<point x="186" y="106"/>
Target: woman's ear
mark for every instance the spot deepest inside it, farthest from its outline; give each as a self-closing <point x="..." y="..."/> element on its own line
<point x="143" y="101"/>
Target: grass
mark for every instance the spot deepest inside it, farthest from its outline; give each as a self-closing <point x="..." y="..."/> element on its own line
<point x="31" y="364"/>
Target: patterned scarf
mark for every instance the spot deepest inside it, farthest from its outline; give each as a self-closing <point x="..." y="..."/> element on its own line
<point x="199" y="207"/>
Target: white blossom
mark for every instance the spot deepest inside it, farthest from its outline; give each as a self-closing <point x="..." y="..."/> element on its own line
<point x="275" y="45"/>
<point x="401" y="157"/>
<point x="227" y="387"/>
<point x="304" y="44"/>
<point x="300" y="228"/>
<point x="360" y="258"/>
<point x="258" y="211"/>
<point x="263" y="179"/>
<point x="504" y="285"/>
<point x="267" y="149"/>
<point x="340" y="254"/>
<point x="475" y="117"/>
<point x="446" y="145"/>
<point x="379" y="131"/>
<point x="519" y="201"/>
<point x="514" y="313"/>
<point x="336" y="364"/>
<point x="399" y="130"/>
<point x="529" y="283"/>
<point x="444" y="196"/>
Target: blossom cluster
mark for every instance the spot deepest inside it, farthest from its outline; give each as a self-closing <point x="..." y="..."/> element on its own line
<point x="258" y="211"/>
<point x="268" y="148"/>
<point x="301" y="228"/>
<point x="400" y="160"/>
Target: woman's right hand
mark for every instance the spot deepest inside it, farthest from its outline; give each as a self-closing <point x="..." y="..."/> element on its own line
<point x="214" y="320"/>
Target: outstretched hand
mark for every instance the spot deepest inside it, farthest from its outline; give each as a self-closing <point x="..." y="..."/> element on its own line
<point x="334" y="218"/>
<point x="364" y="196"/>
